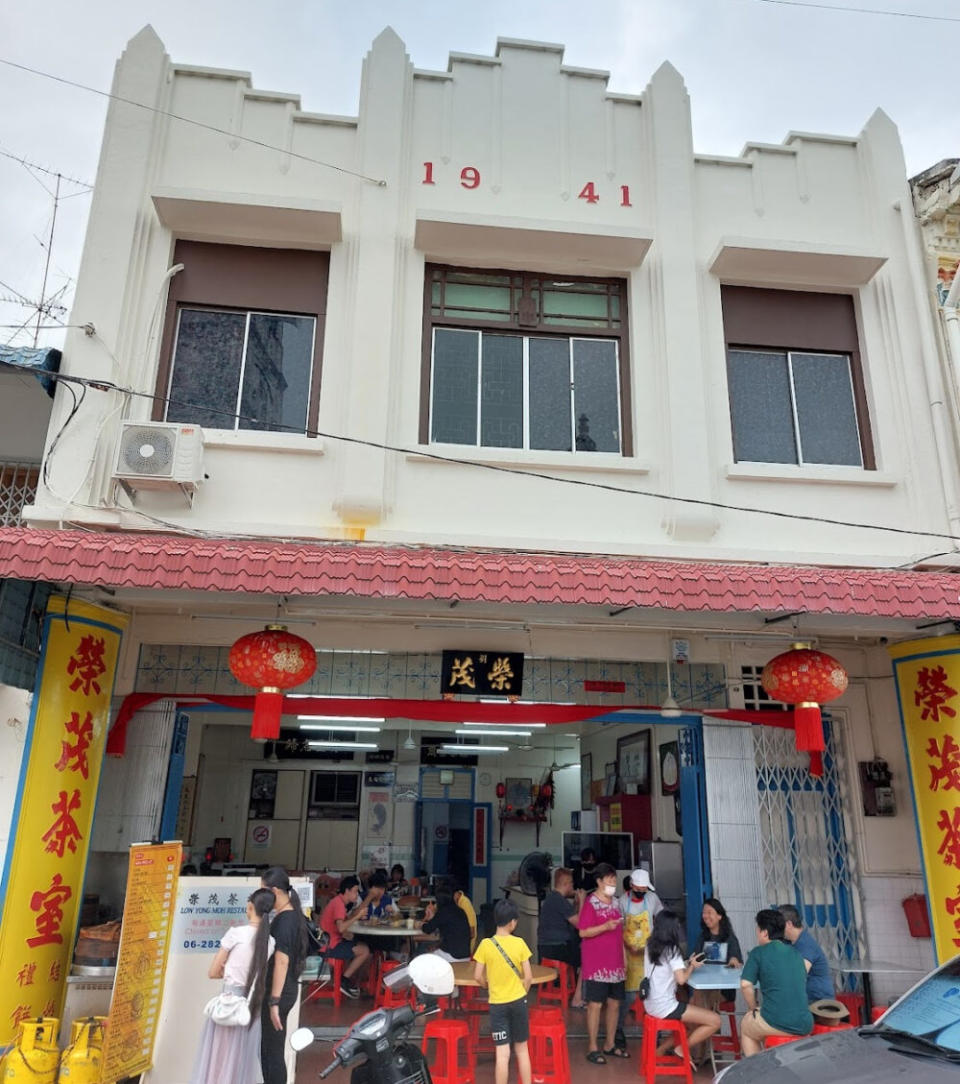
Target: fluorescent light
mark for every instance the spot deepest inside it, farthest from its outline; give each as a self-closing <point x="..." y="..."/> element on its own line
<point x="339" y="727"/>
<point x="538" y="726"/>
<point x="342" y="719"/>
<point x="342" y="745"/>
<point x="469" y="750"/>
<point x="506" y="733"/>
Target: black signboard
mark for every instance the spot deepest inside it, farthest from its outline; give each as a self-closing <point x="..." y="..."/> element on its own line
<point x="293" y="745"/>
<point x="378" y="779"/>
<point x="482" y="673"/>
<point x="380" y="756"/>
<point x="431" y="753"/>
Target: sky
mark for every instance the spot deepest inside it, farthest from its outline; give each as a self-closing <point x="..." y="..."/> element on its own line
<point x="755" y="69"/>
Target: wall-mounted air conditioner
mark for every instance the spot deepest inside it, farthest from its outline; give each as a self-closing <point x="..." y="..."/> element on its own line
<point x="160" y="455"/>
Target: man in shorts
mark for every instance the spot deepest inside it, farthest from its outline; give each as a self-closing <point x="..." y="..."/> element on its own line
<point x="502" y="964"/>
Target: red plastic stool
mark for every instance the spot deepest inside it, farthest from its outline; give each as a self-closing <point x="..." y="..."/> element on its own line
<point x="386" y="997"/>
<point x="372" y="982"/>
<point x="560" y="990"/>
<point x="854" y="1006"/>
<point x="453" y="1060"/>
<point x="727" y="1044"/>
<point x="876" y="1012"/>
<point x="826" y="1029"/>
<point x="781" y="1040"/>
<point x="549" y="1058"/>
<point x="474" y="1009"/>
<point x="650" y="1066"/>
<point x="328" y="991"/>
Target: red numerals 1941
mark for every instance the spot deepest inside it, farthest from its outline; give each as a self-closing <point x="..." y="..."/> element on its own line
<point x="470" y="178"/>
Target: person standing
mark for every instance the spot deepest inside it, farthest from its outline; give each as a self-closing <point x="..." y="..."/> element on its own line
<point x="336" y="921"/>
<point x="603" y="966"/>
<point x="779" y="971"/>
<point x="639" y="907"/>
<point x="289" y="932"/>
<point x="819" y="979"/>
<point x="462" y="900"/>
<point x="503" y="966"/>
<point x="585" y="871"/>
<point x="558" y="936"/>
<point x="233" y="1053"/>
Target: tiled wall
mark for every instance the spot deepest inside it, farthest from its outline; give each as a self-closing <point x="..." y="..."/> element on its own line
<point x="888" y="938"/>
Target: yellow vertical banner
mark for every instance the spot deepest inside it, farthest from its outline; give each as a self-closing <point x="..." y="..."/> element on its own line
<point x="53" y="812"/>
<point x="928" y="688"/>
<point x="148" y="911"/>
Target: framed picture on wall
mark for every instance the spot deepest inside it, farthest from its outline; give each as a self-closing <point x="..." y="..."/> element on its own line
<point x="586" y="778"/>
<point x="610" y="779"/>
<point x="669" y="768"/>
<point x="633" y="761"/>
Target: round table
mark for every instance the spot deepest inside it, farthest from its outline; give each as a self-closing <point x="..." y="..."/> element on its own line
<point x="463" y="973"/>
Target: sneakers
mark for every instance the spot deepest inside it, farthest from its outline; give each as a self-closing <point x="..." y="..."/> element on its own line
<point x="348" y="989"/>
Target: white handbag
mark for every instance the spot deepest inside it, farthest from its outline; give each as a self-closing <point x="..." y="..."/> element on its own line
<point x="228" y="1010"/>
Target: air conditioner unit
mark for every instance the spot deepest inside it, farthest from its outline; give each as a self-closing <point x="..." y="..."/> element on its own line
<point x="160" y="455"/>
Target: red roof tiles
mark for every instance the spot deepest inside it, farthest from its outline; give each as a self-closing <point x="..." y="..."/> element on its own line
<point x="160" y="562"/>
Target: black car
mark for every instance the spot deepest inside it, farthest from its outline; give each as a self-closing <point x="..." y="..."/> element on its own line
<point x="919" y="1036"/>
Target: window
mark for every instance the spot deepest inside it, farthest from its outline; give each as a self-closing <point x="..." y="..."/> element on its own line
<point x="794" y="378"/>
<point x="516" y="360"/>
<point x="243" y="338"/>
<point x="335" y="788"/>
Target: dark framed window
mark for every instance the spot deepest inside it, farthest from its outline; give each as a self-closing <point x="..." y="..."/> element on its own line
<point x="795" y="378"/>
<point x="243" y="338"/>
<point x="523" y="360"/>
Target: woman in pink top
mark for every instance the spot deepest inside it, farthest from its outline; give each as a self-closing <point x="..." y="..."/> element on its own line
<point x="603" y="966"/>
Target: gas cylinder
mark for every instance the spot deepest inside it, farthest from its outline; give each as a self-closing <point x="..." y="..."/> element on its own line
<point x="35" y="1055"/>
<point x="80" y="1063"/>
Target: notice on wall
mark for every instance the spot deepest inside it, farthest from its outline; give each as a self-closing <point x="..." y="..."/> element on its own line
<point x="203" y="915"/>
<point x="142" y="960"/>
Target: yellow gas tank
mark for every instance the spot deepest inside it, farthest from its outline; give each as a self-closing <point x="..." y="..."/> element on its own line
<point x="35" y="1055"/>
<point x="81" y="1060"/>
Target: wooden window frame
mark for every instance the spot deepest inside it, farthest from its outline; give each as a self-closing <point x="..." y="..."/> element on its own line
<point x="801" y="321"/>
<point x="539" y="330"/>
<point x="245" y="279"/>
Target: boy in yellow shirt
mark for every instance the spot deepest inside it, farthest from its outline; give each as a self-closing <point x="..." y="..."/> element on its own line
<point x="503" y="966"/>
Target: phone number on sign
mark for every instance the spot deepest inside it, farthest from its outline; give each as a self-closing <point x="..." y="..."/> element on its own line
<point x="212" y="944"/>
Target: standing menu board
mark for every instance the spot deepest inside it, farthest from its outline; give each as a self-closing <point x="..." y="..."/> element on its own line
<point x="142" y="960"/>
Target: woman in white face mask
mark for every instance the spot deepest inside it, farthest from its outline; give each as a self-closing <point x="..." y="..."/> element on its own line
<point x="603" y="967"/>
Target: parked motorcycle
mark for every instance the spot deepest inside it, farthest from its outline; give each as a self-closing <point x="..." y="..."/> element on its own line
<point x="376" y="1046"/>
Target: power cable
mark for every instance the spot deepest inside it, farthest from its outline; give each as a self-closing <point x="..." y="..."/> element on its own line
<point x="608" y="487"/>
<point x="190" y="120"/>
<point x="864" y="11"/>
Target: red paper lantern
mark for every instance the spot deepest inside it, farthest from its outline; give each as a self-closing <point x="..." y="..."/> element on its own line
<point x="271" y="660"/>
<point x="501" y="790"/>
<point x="805" y="678"/>
<point x="546" y="790"/>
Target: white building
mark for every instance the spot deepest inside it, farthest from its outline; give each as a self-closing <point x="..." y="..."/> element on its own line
<point x="623" y="392"/>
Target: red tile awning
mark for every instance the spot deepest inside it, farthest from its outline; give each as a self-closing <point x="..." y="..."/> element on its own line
<point x="362" y="570"/>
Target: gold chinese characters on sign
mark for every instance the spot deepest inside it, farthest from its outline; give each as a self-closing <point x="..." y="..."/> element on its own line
<point x="482" y="673"/>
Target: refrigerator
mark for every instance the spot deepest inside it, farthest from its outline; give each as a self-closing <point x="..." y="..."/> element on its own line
<point x="664" y="862"/>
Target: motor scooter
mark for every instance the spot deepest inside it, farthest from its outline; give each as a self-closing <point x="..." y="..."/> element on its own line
<point x="377" y="1045"/>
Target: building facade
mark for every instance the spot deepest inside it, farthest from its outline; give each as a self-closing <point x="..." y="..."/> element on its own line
<point x="503" y="364"/>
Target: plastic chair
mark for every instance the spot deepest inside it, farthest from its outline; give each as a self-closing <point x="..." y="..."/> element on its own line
<point x="854" y="1006"/>
<point x="386" y="997"/>
<point x="374" y="971"/>
<point x="726" y="1044"/>
<point x="876" y="1012"/>
<point x="781" y="1040"/>
<point x="453" y="1058"/>
<point x="650" y="1065"/>
<point x="473" y="1007"/>
<point x="328" y="991"/>
<point x="825" y="1029"/>
<point x="549" y="1057"/>
<point x="560" y="990"/>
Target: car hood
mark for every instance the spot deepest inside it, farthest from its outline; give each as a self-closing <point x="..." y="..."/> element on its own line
<point x="843" y="1058"/>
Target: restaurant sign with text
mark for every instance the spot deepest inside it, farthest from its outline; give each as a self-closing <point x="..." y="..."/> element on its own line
<point x="482" y="673"/>
<point x="928" y="688"/>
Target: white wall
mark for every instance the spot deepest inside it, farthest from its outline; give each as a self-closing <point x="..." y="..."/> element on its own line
<point x="14" y="717"/>
<point x="25" y="408"/>
<point x="537" y="132"/>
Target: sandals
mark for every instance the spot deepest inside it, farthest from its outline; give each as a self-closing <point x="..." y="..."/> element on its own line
<point x="596" y="1057"/>
<point x="617" y="1052"/>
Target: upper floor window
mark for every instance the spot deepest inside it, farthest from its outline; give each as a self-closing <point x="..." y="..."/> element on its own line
<point x="243" y="338"/>
<point x="521" y="360"/>
<point x="795" y="379"/>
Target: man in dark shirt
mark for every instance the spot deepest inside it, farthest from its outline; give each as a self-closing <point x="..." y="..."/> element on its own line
<point x="558" y="931"/>
<point x="819" y="979"/>
<point x="447" y="919"/>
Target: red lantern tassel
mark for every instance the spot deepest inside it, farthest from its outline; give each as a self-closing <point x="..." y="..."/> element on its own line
<point x="816" y="764"/>
<point x="267" y="709"/>
<point x="808" y="725"/>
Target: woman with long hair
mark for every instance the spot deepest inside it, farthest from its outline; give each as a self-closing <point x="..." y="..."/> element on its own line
<point x="289" y="931"/>
<point x="663" y="965"/>
<point x="232" y="1053"/>
<point x="719" y="944"/>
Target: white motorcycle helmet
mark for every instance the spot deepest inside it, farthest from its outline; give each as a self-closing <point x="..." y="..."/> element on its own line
<point x="432" y="975"/>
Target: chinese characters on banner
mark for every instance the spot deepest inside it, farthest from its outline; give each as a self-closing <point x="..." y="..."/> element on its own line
<point x="482" y="673"/>
<point x="50" y="833"/>
<point x="142" y="961"/>
<point x="928" y="687"/>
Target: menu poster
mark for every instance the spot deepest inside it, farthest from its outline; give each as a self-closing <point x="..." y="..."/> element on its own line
<point x="142" y="960"/>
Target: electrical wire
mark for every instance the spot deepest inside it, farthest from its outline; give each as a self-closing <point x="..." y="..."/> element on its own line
<point x="863" y="11"/>
<point x="190" y="120"/>
<point x="608" y="487"/>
